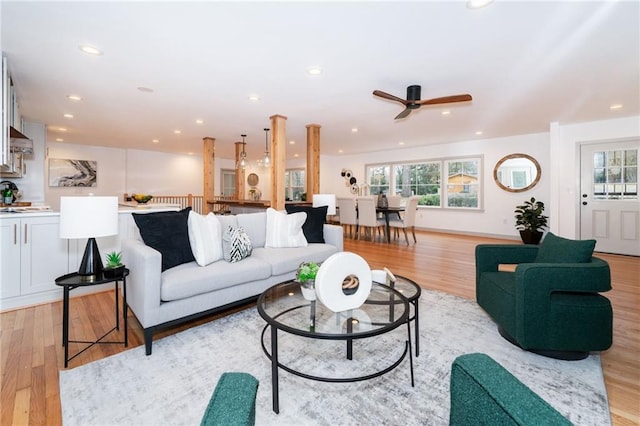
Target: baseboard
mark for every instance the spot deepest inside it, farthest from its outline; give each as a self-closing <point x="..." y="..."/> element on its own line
<point x="471" y="234"/>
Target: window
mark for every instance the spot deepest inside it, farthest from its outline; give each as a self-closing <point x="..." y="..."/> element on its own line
<point x="460" y="189"/>
<point x="463" y="183"/>
<point x="294" y="181"/>
<point x="378" y="179"/>
<point x="228" y="179"/>
<point x="419" y="179"/>
<point x="615" y="175"/>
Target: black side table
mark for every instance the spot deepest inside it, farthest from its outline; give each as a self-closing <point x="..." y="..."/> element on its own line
<point x="70" y="281"/>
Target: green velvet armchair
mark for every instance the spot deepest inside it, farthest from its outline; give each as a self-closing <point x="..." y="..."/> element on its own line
<point x="547" y="306"/>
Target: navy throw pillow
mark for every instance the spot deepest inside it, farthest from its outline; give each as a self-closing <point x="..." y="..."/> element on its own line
<point x="556" y="249"/>
<point x="168" y="233"/>
<point x="313" y="227"/>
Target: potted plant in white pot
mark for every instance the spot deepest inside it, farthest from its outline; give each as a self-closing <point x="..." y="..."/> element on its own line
<point x="530" y="221"/>
<point x="306" y="276"/>
<point x="114" y="266"/>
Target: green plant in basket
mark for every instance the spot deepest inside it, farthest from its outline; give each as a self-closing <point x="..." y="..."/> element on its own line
<point x="307" y="271"/>
<point x="114" y="260"/>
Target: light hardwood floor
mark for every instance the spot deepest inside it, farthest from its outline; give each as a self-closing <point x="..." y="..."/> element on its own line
<point x="31" y="353"/>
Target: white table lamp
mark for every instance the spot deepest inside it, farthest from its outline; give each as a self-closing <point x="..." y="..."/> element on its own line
<point x="89" y="217"/>
<point x="328" y="200"/>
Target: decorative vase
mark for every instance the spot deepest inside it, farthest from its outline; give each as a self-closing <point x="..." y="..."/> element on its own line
<point x="530" y="237"/>
<point x="308" y="289"/>
<point x="383" y="201"/>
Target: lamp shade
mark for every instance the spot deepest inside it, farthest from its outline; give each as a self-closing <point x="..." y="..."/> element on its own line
<point x="328" y="200"/>
<point x="88" y="216"/>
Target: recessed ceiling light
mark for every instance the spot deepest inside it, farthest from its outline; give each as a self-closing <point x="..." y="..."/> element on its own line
<point x="478" y="4"/>
<point x="354" y="130"/>
<point x="177" y="132"/>
<point x="479" y="132"/>
<point x="292" y="142"/>
<point x="62" y="129"/>
<point x="145" y="89"/>
<point x="296" y="155"/>
<point x="59" y="140"/>
<point x="615" y="107"/>
<point x="254" y="98"/>
<point x="446" y="112"/>
<point x="68" y="115"/>
<point x="90" y="50"/>
<point x="74" y="98"/>
<point x="155" y="140"/>
<point x="400" y="143"/>
<point x="314" y="70"/>
<point x="199" y="121"/>
<point x="340" y="151"/>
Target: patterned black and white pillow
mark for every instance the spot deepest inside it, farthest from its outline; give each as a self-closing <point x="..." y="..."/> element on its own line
<point x="236" y="244"/>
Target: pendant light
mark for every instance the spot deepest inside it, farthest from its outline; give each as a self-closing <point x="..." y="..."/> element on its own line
<point x="243" y="155"/>
<point x="267" y="160"/>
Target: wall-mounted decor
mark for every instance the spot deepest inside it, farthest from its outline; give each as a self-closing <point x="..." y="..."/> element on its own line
<point x="64" y="172"/>
<point x="350" y="180"/>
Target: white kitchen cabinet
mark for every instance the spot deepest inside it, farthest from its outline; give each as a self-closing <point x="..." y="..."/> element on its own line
<point x="33" y="256"/>
<point x="9" y="258"/>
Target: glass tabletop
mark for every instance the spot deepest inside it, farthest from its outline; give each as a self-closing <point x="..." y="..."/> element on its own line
<point x="284" y="307"/>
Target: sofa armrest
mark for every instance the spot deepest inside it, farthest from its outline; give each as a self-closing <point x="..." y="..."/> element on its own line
<point x="333" y="235"/>
<point x="484" y="392"/>
<point x="534" y="280"/>
<point x="489" y="256"/>
<point x="233" y="402"/>
<point x="143" y="283"/>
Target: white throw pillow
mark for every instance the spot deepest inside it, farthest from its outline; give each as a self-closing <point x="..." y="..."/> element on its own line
<point x="285" y="230"/>
<point x="205" y="237"/>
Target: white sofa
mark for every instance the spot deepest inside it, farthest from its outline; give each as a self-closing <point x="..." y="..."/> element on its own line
<point x="188" y="291"/>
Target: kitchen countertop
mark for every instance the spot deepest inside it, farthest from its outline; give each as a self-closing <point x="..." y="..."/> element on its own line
<point x="43" y="210"/>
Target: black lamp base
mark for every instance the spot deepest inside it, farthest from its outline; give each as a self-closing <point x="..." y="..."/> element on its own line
<point x="91" y="265"/>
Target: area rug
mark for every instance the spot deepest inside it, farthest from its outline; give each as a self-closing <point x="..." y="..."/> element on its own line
<point x="174" y="384"/>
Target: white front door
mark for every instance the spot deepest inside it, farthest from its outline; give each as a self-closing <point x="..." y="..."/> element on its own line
<point x="610" y="208"/>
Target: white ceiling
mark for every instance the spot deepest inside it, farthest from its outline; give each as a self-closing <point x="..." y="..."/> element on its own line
<point x="527" y="64"/>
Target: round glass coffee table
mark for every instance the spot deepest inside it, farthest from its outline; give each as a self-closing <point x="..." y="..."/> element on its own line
<point x="284" y="308"/>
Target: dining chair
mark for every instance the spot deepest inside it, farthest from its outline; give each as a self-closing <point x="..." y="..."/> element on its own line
<point x="409" y="219"/>
<point x="368" y="220"/>
<point x="348" y="215"/>
<point x="394" y="201"/>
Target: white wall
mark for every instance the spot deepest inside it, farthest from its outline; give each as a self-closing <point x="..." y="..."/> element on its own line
<point x="496" y="217"/>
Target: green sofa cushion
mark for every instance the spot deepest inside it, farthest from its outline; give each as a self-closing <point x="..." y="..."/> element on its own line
<point x="556" y="249"/>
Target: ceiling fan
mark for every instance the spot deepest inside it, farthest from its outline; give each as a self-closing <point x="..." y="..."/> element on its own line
<point x="413" y="99"/>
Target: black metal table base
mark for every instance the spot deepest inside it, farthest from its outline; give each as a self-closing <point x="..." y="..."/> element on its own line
<point x="72" y="281"/>
<point x="275" y="364"/>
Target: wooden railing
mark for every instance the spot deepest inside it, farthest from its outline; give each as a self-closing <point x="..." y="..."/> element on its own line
<point x="196" y="202"/>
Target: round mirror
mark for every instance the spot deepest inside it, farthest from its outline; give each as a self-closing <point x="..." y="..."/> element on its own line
<point x="252" y="179"/>
<point x="517" y="173"/>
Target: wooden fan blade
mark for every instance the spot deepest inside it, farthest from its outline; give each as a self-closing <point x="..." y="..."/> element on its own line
<point x="403" y="114"/>
<point x="446" y="100"/>
<point x="385" y="95"/>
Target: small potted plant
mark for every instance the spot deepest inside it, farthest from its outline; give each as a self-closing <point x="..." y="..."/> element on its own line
<point x="306" y="276"/>
<point x="530" y="221"/>
<point x="114" y="267"/>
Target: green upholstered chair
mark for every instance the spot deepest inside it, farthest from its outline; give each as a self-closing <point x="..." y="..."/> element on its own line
<point x="484" y="393"/>
<point x="233" y="402"/>
<point x="550" y="304"/>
